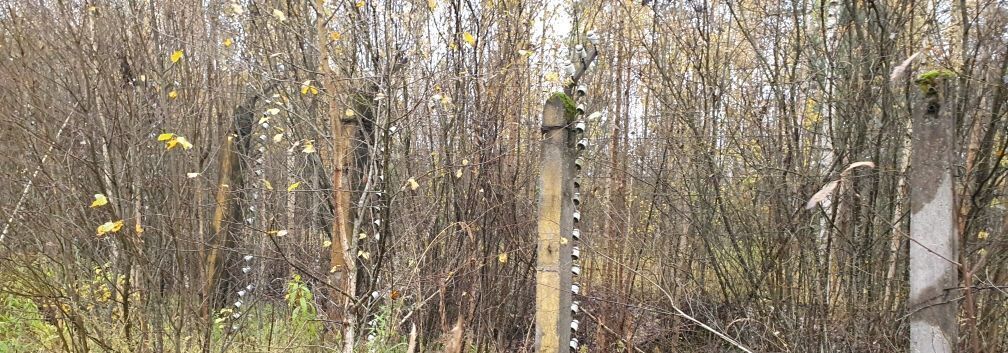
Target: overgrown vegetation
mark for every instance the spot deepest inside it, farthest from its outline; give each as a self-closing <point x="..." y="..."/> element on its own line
<point x="361" y="176"/>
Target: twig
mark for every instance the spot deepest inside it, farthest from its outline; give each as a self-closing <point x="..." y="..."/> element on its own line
<point x="24" y="193"/>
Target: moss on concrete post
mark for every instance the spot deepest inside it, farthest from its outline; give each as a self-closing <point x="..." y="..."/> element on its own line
<point x="569" y="107"/>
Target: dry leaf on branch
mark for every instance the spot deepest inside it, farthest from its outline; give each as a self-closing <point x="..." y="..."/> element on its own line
<point x="823" y="193"/>
<point x="858" y="164"/>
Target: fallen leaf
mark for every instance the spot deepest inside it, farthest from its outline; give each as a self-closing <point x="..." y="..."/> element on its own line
<point x="309" y="147"/>
<point x="413" y="185"/>
<point x="502" y="257"/>
<point x="173" y="94"/>
<point x="294" y="186"/>
<point x="469" y="39"/>
<point x="228" y="42"/>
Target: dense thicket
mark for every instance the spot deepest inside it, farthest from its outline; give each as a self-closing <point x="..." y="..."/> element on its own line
<point x="719" y="120"/>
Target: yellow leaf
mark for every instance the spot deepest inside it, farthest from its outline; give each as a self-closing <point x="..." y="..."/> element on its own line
<point x="138" y="228"/>
<point x="469" y="39"/>
<point x="172" y="140"/>
<point x="262" y="120"/>
<point x="309" y="147"/>
<point x="173" y="94"/>
<point x="563" y="241"/>
<point x="267" y="185"/>
<point x="364" y="254"/>
<point x="306" y="88"/>
<point x="99" y="200"/>
<point x="184" y="142"/>
<point x="349" y="112"/>
<point x="413" y="185"/>
<point x="524" y="52"/>
<point x="281" y="232"/>
<point x="465" y="162"/>
<point x="553" y="77"/>
<point x="228" y="42"/>
<point x="432" y="4"/>
<point x="294" y="186"/>
<point x="279" y="15"/>
<point x="273" y="111"/>
<point x="191" y="175"/>
<point x="982" y="235"/>
<point x="110" y="227"/>
<point x="360" y="4"/>
<point x="458" y="173"/>
<point x="278" y="137"/>
<point x="362" y="236"/>
<point x="335" y="36"/>
<point x="176" y="56"/>
<point x="326" y="244"/>
<point x="502" y="257"/>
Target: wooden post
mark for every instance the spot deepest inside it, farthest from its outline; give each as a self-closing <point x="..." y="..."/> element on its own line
<point x="933" y="245"/>
<point x="556" y="208"/>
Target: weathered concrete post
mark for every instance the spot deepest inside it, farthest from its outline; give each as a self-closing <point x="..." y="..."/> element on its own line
<point x="556" y="209"/>
<point x="933" y="247"/>
<point x="558" y="200"/>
